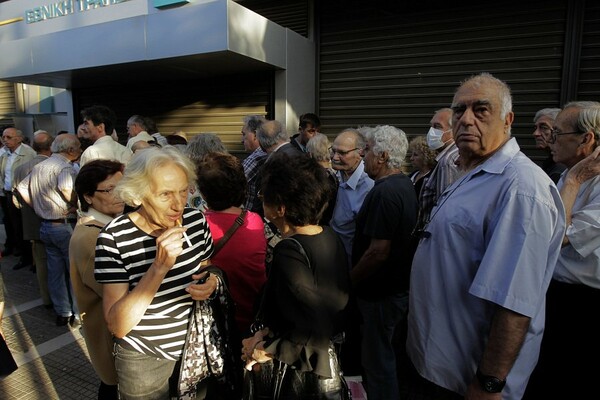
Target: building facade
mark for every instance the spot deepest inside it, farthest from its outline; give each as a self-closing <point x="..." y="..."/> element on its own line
<point x="201" y="65"/>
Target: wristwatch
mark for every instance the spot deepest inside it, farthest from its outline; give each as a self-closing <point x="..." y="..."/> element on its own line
<point x="489" y="383"/>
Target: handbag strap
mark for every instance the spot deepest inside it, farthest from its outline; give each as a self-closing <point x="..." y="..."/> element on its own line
<point x="239" y="221"/>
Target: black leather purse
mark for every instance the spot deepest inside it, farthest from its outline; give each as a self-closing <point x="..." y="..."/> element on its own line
<point x="274" y="379"/>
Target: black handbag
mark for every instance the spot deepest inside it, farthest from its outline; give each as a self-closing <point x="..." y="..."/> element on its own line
<point x="274" y="380"/>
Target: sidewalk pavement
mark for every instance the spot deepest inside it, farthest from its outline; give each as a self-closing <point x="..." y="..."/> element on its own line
<point x="53" y="360"/>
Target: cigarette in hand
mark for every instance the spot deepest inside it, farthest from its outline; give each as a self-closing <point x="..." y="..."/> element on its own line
<point x="185" y="236"/>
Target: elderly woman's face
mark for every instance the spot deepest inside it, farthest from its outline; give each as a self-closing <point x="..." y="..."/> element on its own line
<point x="167" y="196"/>
<point x="104" y="199"/>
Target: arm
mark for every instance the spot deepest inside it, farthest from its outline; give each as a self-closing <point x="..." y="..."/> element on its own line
<point x="123" y="309"/>
<point x="505" y="340"/>
<point x="372" y="259"/>
<point x="584" y="170"/>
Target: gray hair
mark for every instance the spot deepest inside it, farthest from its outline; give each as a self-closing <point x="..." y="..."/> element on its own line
<point x="391" y="140"/>
<point x="358" y="134"/>
<point x="253" y="122"/>
<point x="42" y="141"/>
<point x="446" y="109"/>
<point x="138" y="173"/>
<point x="202" y="144"/>
<point x="64" y="143"/>
<point x="503" y="89"/>
<point x="546" y="112"/>
<point x="318" y="147"/>
<point x="137" y="119"/>
<point x="271" y="133"/>
<point x="588" y="118"/>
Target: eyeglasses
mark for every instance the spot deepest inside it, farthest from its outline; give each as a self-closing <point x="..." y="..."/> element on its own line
<point x="342" y="153"/>
<point x="109" y="190"/>
<point x="554" y="133"/>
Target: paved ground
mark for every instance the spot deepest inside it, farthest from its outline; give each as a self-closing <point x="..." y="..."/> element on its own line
<point x="53" y="361"/>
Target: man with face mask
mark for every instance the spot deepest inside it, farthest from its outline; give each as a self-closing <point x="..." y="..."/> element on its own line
<point x="446" y="171"/>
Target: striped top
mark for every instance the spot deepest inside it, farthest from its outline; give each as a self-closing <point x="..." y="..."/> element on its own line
<point x="124" y="253"/>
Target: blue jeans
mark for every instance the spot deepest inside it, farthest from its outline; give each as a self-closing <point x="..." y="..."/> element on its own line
<point x="56" y="239"/>
<point x="142" y="376"/>
<point x="380" y="320"/>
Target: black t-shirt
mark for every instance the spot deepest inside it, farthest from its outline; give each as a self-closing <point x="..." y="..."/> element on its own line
<point x="389" y="212"/>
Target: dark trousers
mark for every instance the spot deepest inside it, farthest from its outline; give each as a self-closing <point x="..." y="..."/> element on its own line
<point x="570" y="346"/>
<point x="13" y="224"/>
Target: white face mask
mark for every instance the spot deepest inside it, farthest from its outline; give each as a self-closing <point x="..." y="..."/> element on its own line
<point x="434" y="138"/>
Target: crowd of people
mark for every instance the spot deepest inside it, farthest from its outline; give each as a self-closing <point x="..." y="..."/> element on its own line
<point x="468" y="278"/>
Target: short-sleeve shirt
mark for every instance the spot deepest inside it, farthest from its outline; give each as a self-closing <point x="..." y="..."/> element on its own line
<point x="124" y="254"/>
<point x="389" y="212"/>
<point x="493" y="239"/>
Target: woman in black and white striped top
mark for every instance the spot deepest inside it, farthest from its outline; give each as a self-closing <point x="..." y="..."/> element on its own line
<point x="148" y="261"/>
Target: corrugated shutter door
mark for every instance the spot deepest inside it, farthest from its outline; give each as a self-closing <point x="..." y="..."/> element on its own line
<point x="589" y="63"/>
<point x="7" y="102"/>
<point x="217" y="105"/>
<point x="397" y="65"/>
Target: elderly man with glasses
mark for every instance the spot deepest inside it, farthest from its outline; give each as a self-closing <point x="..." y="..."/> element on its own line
<point x="571" y="334"/>
<point x="543" y="121"/>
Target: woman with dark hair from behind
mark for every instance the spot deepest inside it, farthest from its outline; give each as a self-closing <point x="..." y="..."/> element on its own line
<point x="222" y="183"/>
<point x="98" y="206"/>
<point x="307" y="286"/>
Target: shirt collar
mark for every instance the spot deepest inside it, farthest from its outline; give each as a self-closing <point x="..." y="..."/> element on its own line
<point x="352" y="182"/>
<point x="503" y="156"/>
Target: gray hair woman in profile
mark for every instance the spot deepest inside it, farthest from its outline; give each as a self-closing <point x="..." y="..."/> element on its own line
<point x="147" y="261"/>
<point x="199" y="146"/>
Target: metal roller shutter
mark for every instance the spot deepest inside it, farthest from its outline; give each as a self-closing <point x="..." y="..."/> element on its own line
<point x="395" y="63"/>
<point x="217" y="105"/>
<point x="589" y="66"/>
<point x="7" y="102"/>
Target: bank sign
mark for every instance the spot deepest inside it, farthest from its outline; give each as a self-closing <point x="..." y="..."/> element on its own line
<point x="64" y="8"/>
<point x="68" y="7"/>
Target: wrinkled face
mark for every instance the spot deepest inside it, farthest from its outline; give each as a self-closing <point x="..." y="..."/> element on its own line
<point x="307" y="133"/>
<point x="166" y="197"/>
<point x="104" y="199"/>
<point x="541" y="134"/>
<point x="249" y="139"/>
<point x="10" y="139"/>
<point x="133" y="129"/>
<point x="417" y="159"/>
<point x="441" y="121"/>
<point x="372" y="164"/>
<point x="478" y="128"/>
<point x="345" y="156"/>
<point x="567" y="148"/>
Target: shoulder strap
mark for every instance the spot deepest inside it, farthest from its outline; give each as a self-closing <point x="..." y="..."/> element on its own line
<point x="237" y="223"/>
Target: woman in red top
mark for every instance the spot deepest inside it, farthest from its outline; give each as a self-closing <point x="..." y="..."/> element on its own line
<point x="222" y="183"/>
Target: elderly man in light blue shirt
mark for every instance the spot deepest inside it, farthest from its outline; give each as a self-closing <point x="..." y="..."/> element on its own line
<point x="354" y="184"/>
<point x="485" y="260"/>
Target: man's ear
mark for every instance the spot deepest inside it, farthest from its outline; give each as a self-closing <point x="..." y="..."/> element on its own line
<point x="88" y="199"/>
<point x="588" y="138"/>
<point x="383" y="157"/>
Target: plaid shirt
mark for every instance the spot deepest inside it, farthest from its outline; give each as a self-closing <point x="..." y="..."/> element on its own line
<point x="443" y="175"/>
<point x="252" y="165"/>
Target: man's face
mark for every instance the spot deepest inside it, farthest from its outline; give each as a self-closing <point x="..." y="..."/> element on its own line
<point x="441" y="121"/>
<point x="478" y="128"/>
<point x="249" y="139"/>
<point x="345" y="156"/>
<point x="10" y="139"/>
<point x="133" y="129"/>
<point x="307" y="133"/>
<point x="91" y="131"/>
<point x="372" y="166"/>
<point x="566" y="149"/>
<point x="543" y="126"/>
